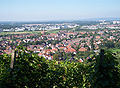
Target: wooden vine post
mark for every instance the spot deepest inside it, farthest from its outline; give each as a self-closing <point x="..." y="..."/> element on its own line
<point x="13" y="58"/>
<point x="101" y="56"/>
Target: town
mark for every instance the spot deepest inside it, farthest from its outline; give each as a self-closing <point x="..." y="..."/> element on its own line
<point x="62" y="41"/>
<point x="60" y="44"/>
<point x="37" y="27"/>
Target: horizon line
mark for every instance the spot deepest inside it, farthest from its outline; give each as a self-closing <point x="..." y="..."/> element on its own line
<point x="69" y="20"/>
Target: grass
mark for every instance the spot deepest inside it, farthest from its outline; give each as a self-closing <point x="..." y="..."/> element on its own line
<point x="24" y="32"/>
<point x="53" y="31"/>
<point x="57" y="30"/>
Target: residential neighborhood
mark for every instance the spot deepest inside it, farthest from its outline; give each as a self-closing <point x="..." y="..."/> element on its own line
<point x="80" y="44"/>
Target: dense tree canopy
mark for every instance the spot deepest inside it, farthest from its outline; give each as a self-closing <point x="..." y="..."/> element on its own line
<point x="32" y="71"/>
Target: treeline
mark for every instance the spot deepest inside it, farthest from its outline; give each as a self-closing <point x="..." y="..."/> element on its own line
<point x="31" y="71"/>
<point x="9" y="25"/>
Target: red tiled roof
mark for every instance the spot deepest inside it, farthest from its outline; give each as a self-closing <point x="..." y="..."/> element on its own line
<point x="70" y="50"/>
<point x="98" y="37"/>
<point x="82" y="49"/>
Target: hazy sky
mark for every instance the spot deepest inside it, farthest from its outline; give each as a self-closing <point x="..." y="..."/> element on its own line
<point x="43" y="10"/>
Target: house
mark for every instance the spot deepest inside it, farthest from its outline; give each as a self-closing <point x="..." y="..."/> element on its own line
<point x="70" y="50"/>
<point x="82" y="49"/>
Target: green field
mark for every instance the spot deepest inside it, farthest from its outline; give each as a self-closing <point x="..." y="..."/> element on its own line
<point x="53" y="31"/>
<point x="30" y="32"/>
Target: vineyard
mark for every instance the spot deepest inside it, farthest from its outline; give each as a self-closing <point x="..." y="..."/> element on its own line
<point x="31" y="71"/>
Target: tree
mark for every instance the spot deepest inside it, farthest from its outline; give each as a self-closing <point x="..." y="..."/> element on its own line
<point x="109" y="44"/>
<point x="105" y="71"/>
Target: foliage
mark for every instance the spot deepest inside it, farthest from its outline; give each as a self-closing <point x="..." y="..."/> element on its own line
<point x="32" y="71"/>
<point x="105" y="71"/>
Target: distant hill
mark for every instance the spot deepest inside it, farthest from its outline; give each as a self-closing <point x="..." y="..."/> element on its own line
<point x="97" y="19"/>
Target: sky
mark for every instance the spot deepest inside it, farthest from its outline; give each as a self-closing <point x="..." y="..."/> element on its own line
<point x="54" y="10"/>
